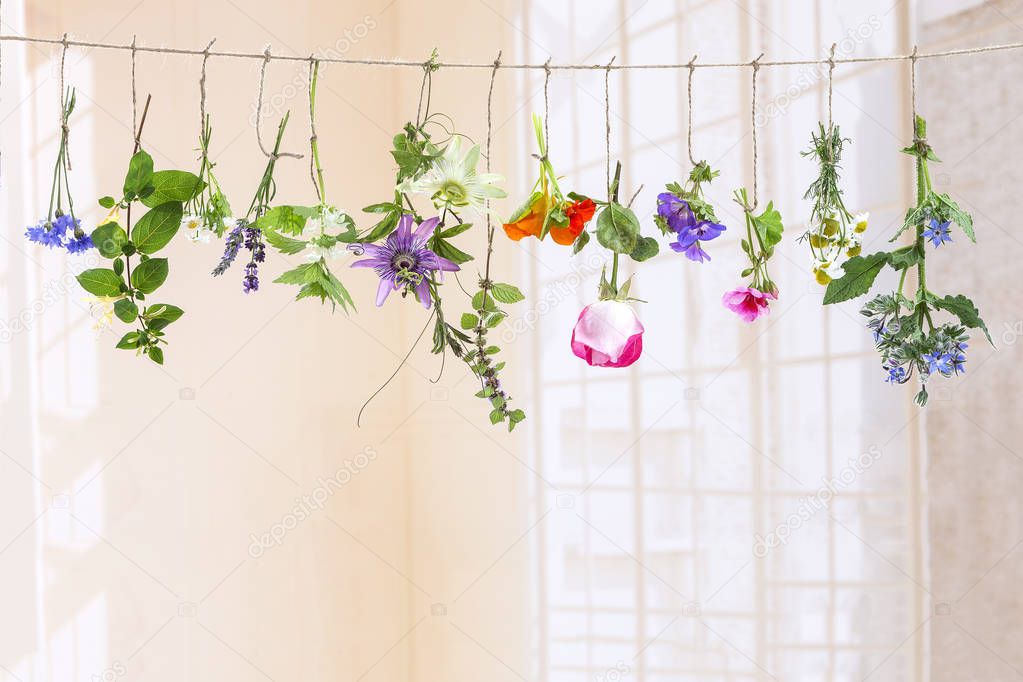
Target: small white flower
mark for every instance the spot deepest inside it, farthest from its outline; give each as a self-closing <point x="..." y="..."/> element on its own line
<point x="452" y="179"/>
<point x="196" y="231"/>
<point x="101" y="308"/>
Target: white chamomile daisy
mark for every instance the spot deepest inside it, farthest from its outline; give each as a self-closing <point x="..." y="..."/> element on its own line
<point x="860" y="222"/>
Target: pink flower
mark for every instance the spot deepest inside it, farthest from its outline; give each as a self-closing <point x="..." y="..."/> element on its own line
<point x="608" y="334"/>
<point x="748" y="303"/>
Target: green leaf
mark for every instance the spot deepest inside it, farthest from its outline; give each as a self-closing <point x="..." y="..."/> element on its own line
<point x="286" y="219"/>
<point x="383" y="228"/>
<point x="860" y="272"/>
<point x="906" y="257"/>
<point x="157" y="227"/>
<point x="126" y="310"/>
<point x="159" y="315"/>
<point x="129" y="340"/>
<point x="285" y="245"/>
<point x="100" y="282"/>
<point x="109" y="239"/>
<point x="523" y="210"/>
<point x="618" y="229"/>
<point x="107" y="202"/>
<point x="769" y="226"/>
<point x="173" y="185"/>
<point x="965" y="310"/>
<point x="155" y="354"/>
<point x="496" y="416"/>
<point x="469" y="321"/>
<point x="506" y="293"/>
<point x="444" y="249"/>
<point x="149" y="275"/>
<point x="385" y="207"/>
<point x="580" y="242"/>
<point x="516" y="416"/>
<point x="454" y="230"/>
<point x="303" y="274"/>
<point x="140" y="174"/>
<point x="646" y="248"/>
<point x="960" y="217"/>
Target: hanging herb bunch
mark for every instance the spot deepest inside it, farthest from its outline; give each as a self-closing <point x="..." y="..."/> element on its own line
<point x="319" y="233"/>
<point x="608" y="333"/>
<point x="410" y="252"/>
<point x="548" y="210"/>
<point x="684" y="214"/>
<point x="834" y="234"/>
<point x="208" y="213"/>
<point x="763" y="234"/>
<point x="122" y="290"/>
<point x="904" y="328"/>
<point x="60" y="228"/>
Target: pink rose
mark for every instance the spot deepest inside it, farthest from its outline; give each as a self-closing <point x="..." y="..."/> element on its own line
<point x="748" y="303"/>
<point x="608" y="334"/>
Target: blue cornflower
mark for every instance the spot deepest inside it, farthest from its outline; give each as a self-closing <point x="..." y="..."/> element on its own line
<point x="938" y="233"/>
<point x="896" y="375"/>
<point x="79" y="243"/>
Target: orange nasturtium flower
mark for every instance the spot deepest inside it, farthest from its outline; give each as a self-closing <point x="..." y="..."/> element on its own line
<point x="548" y="210"/>
<point x="579" y="213"/>
<point x="529" y="219"/>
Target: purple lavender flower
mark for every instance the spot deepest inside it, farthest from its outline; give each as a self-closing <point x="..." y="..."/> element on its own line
<point x="404" y="262"/>
<point x="250" y="282"/>
<point x="232" y="245"/>
<point x="675" y="211"/>
<point x="938" y="233"/>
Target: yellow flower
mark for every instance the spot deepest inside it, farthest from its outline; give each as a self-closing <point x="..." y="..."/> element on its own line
<point x="854" y="250"/>
<point x="860" y="222"/>
<point x="831" y="226"/>
<point x="822" y="277"/>
<point x="818" y="241"/>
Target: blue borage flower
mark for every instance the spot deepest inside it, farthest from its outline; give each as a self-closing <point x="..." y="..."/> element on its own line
<point x="938" y="233"/>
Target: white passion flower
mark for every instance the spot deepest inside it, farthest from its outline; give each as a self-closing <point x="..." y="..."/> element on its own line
<point x="452" y="180"/>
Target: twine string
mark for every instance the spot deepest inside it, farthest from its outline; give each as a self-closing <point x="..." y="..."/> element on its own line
<point x="202" y="88"/>
<point x="689" y="136"/>
<point x="486" y="65"/>
<point x="546" y="110"/>
<point x="753" y="116"/>
<point x="64" y="130"/>
<point x="426" y="86"/>
<point x="134" y="95"/>
<point x="490" y="135"/>
<point x="259" y="112"/>
<point x="607" y="123"/>
<point x="912" y="91"/>
<point x="831" y="94"/>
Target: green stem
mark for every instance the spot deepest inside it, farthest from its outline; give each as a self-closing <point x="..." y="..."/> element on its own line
<point x="313" y="142"/>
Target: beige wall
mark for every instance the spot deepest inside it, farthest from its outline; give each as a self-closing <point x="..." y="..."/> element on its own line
<point x="135" y="489"/>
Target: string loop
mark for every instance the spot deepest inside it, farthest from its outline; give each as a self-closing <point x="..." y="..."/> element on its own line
<point x="202" y="87"/>
<point x="134" y="96"/>
<point x="607" y="121"/>
<point x="753" y="115"/>
<point x="259" y="112"/>
<point x="546" y="110"/>
<point x="912" y="91"/>
<point x="64" y="130"/>
<point x="314" y="69"/>
<point x="689" y="137"/>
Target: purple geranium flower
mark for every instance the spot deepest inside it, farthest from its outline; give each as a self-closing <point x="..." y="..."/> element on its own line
<point x="938" y="233"/>
<point x="693" y="252"/>
<point x="703" y="231"/>
<point x="675" y="211"/>
<point x="404" y="262"/>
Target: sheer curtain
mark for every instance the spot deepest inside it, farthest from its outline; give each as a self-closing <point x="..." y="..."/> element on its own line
<point x="745" y="500"/>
